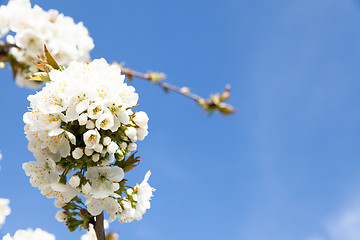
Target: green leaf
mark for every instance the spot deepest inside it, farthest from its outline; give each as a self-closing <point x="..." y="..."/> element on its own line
<point x="42" y="77"/>
<point x="43" y="66"/>
<point x="50" y="60"/>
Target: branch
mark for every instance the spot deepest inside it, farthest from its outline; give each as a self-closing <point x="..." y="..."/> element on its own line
<point x="99" y="226"/>
<point x="214" y="103"/>
<point x="4" y="50"/>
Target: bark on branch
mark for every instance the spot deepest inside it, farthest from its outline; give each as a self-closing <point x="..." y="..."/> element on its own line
<point x="99" y="226"/>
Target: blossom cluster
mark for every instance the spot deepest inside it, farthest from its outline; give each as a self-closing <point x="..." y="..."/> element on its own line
<point x="4" y="210"/>
<point x="31" y="28"/>
<point x="39" y="234"/>
<point x="30" y="234"/>
<point x="80" y="128"/>
<point x="4" y="207"/>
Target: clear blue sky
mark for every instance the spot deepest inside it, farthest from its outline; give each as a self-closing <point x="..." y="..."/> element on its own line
<point x="284" y="167"/>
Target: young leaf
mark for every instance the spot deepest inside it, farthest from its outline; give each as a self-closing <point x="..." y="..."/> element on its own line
<point x="131" y="162"/>
<point x="43" y="67"/>
<point x="50" y="60"/>
<point x="42" y="77"/>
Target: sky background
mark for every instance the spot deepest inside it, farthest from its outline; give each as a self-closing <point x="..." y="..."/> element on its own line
<point x="284" y="167"/>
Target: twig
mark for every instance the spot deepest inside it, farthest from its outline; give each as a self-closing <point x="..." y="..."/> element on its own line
<point x="4" y="50"/>
<point x="166" y="86"/>
<point x="214" y="103"/>
<point x="99" y="226"/>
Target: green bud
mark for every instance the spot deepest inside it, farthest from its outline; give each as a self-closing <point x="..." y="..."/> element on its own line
<point x="70" y="206"/>
<point x="156" y="76"/>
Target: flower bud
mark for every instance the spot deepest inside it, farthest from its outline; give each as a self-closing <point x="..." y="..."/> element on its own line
<point x="123" y="145"/>
<point x="61" y="215"/>
<point x="86" y="188"/>
<point x="141" y="119"/>
<point x="88" y="151"/>
<point x="90" y="125"/>
<point x="78" y="153"/>
<point x="82" y="119"/>
<point x="131" y="133"/>
<point x="132" y="147"/>
<point x="106" y="141"/>
<point x="98" y="148"/>
<point x="141" y="133"/>
<point x="112" y="147"/>
<point x="95" y="157"/>
<point x="74" y="181"/>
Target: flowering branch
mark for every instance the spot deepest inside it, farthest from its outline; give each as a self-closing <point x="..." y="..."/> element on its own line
<point x="213" y="104"/>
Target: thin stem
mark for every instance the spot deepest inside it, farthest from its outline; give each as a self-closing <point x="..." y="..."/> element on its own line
<point x="4" y="50"/>
<point x="99" y="226"/>
<point x="5" y="47"/>
<point x="214" y="103"/>
<point x="166" y="86"/>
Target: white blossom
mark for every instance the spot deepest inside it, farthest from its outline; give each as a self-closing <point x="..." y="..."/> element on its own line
<point x="96" y="206"/>
<point x="41" y="173"/>
<point x="4" y="210"/>
<point x="91" y="138"/>
<point x="33" y="27"/>
<point x="30" y="234"/>
<point x="104" y="180"/>
<point x="141" y="119"/>
<point x="80" y="126"/>
<point x="141" y="133"/>
<point x="135" y="207"/>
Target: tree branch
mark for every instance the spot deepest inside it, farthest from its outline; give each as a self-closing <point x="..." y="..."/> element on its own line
<point x="214" y="103"/>
<point x="99" y="226"/>
<point x="156" y="78"/>
<point x="4" y="50"/>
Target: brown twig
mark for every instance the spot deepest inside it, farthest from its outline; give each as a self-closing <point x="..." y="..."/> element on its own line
<point x="99" y="226"/>
<point x="4" y="50"/>
<point x="214" y="103"/>
<point x="166" y="86"/>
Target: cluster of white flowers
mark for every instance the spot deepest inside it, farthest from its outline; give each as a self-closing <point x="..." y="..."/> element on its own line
<point x="4" y="210"/>
<point x="32" y="27"/>
<point x="137" y="202"/>
<point x="4" y="207"/>
<point x="30" y="234"/>
<point x="80" y="127"/>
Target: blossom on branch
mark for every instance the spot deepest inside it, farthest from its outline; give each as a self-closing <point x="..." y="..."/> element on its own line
<point x="80" y="128"/>
<point x="137" y="203"/>
<point x="32" y="27"/>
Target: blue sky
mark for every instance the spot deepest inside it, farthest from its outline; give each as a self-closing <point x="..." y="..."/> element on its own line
<point x="285" y="166"/>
